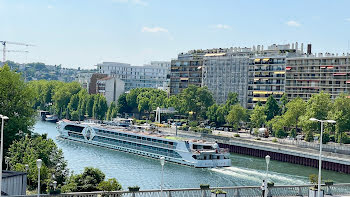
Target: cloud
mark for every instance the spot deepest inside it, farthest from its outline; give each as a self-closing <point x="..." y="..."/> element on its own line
<point x="135" y="2"/>
<point x="347" y="19"/>
<point x="49" y="6"/>
<point x="221" y="26"/>
<point x="154" y="29"/>
<point x="293" y="23"/>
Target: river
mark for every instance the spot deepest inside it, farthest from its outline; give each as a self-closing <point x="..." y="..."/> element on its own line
<point x="131" y="170"/>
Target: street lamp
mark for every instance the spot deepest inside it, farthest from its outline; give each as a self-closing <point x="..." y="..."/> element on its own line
<point x="38" y="164"/>
<point x="54" y="185"/>
<point x="267" y="159"/>
<point x="7" y="161"/>
<point x="3" y="118"/>
<point x="320" y="155"/>
<point x="162" y="161"/>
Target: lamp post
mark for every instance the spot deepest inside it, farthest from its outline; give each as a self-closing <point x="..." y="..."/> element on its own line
<point x="162" y="161"/>
<point x="320" y="155"/>
<point x="7" y="161"/>
<point x="267" y="159"/>
<point x="38" y="164"/>
<point x="3" y="118"/>
<point x="54" y="185"/>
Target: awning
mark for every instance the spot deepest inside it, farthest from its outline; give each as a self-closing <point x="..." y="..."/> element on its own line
<point x="257" y="60"/>
<point x="261" y="92"/>
<point x="280" y="72"/>
<point x="184" y="79"/>
<point x="214" y="54"/>
<point x="278" y="92"/>
<point x="323" y="67"/>
<point x="266" y="59"/>
<point x="259" y="99"/>
<point x="256" y="79"/>
<point x="330" y="67"/>
<point x="347" y="81"/>
<point x="288" y="68"/>
<point x="339" y="74"/>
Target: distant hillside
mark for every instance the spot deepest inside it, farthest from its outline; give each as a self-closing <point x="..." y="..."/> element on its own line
<point x="38" y="71"/>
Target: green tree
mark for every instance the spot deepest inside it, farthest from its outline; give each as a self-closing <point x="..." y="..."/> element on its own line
<point x="212" y="113"/>
<point x="109" y="185"/>
<point x="318" y="106"/>
<point x="100" y="107"/>
<point x="283" y="103"/>
<point x="28" y="149"/>
<point x="236" y="115"/>
<point x="232" y="99"/>
<point x="277" y="125"/>
<point x="258" y="116"/>
<point x="111" y="112"/>
<point x="340" y="112"/>
<point x="90" y="105"/>
<point x="16" y="101"/>
<point x="63" y="94"/>
<point x="296" y="108"/>
<point x="122" y="105"/>
<point x="73" y="104"/>
<point x="88" y="181"/>
<point x="271" y="108"/>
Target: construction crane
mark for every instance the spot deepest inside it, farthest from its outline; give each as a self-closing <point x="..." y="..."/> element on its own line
<point x="5" y="43"/>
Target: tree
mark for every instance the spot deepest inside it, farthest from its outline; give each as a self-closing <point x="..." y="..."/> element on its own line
<point x="277" y="124"/>
<point x="90" y="104"/>
<point x="236" y="115"/>
<point x="28" y="149"/>
<point x="73" y="104"/>
<point x="16" y="101"/>
<point x="318" y="106"/>
<point x="88" y="181"/>
<point x="122" y="105"/>
<point x="296" y="108"/>
<point x="258" y="116"/>
<point x="283" y="103"/>
<point x="272" y="108"/>
<point x="212" y="113"/>
<point x="111" y="112"/>
<point x="197" y="100"/>
<point x="232" y="99"/>
<point x="109" y="185"/>
<point x="100" y="107"/>
<point x="340" y="112"/>
<point x="62" y="95"/>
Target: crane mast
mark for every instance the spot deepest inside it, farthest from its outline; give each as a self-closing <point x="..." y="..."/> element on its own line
<point x="4" y="44"/>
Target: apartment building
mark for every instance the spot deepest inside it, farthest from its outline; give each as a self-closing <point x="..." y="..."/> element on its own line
<point x="187" y="69"/>
<point x="266" y="73"/>
<point x="111" y="88"/>
<point x="148" y="76"/>
<point x="227" y="72"/>
<point x="312" y="74"/>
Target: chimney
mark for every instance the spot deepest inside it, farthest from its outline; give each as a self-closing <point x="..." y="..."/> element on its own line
<point x="302" y="48"/>
<point x="309" y="49"/>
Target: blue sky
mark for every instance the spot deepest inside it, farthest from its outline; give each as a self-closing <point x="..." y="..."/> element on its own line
<point x="85" y="32"/>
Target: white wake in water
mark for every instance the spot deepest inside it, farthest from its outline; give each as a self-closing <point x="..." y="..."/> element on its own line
<point x="256" y="176"/>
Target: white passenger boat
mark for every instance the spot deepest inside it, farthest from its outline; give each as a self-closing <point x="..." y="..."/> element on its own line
<point x="196" y="153"/>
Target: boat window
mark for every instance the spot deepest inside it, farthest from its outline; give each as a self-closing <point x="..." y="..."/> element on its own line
<point x="74" y="128"/>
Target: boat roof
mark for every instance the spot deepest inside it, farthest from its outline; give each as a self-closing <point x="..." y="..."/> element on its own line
<point x="167" y="136"/>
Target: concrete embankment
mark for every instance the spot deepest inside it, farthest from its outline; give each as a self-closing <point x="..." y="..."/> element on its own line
<point x="284" y="152"/>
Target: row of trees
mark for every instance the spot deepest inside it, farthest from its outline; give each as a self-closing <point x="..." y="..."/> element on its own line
<point x="68" y="100"/>
<point x="290" y="118"/>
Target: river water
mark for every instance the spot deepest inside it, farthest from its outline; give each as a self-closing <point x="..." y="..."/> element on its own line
<point x="131" y="170"/>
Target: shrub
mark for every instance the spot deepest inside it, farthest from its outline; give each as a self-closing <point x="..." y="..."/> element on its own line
<point x="258" y="138"/>
<point x="185" y="128"/>
<point x="325" y="137"/>
<point x="237" y="135"/>
<point x="218" y="191"/>
<point x="193" y="123"/>
<point x="293" y="133"/>
<point x="212" y="124"/>
<point x="204" y="186"/>
<point x="274" y="140"/>
<point x="309" y="137"/>
<point x="140" y="122"/>
<point x="280" y="134"/>
<point x="313" y="178"/>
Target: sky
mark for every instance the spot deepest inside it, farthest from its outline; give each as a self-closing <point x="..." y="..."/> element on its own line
<point x="83" y="33"/>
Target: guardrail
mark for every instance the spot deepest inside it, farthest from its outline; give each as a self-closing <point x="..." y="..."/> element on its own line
<point x="240" y="191"/>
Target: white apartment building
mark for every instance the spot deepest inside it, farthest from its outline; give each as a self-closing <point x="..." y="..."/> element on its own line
<point x="154" y="75"/>
<point x="111" y="88"/>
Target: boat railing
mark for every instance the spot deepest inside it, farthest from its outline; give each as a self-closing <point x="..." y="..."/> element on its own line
<point x="244" y="191"/>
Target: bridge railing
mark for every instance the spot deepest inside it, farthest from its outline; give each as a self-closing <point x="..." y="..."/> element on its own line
<point x="240" y="191"/>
